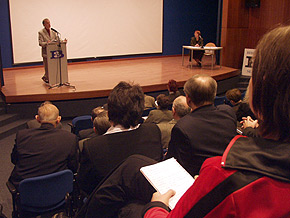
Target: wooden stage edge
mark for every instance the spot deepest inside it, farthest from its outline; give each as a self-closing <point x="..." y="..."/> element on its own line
<point x="97" y="78"/>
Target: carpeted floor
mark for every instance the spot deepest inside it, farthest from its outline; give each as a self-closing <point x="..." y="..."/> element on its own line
<point x="5" y="169"/>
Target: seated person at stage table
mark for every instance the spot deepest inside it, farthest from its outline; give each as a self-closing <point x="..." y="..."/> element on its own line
<point x="43" y="150"/>
<point x="196" y="41"/>
<point x="161" y="114"/>
<point x="251" y="179"/>
<point x="45" y="36"/>
<point x="179" y="110"/>
<point x="89" y="133"/>
<point x="173" y="90"/>
<point x="125" y="137"/>
<point x="206" y="131"/>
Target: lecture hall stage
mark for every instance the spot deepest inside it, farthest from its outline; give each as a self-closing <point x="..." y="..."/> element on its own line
<point x="97" y="78"/>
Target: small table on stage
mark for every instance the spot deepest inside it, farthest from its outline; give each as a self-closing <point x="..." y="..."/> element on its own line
<point x="191" y="48"/>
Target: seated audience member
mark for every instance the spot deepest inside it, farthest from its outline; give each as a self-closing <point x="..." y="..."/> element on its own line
<point x="206" y="131"/>
<point x="173" y="90"/>
<point x="35" y="124"/>
<point x="125" y="137"/>
<point x="43" y="150"/>
<point x="89" y="133"/>
<point x="162" y="114"/>
<point x="244" y="109"/>
<point x="101" y="125"/>
<point x="179" y="110"/>
<point x="235" y="98"/>
<point x="149" y="102"/>
<point x="251" y="169"/>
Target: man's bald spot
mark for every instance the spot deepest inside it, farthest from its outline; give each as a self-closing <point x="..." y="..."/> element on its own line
<point x="201" y="89"/>
<point x="48" y="112"/>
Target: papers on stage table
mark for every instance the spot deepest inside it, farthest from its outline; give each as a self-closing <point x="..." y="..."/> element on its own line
<point x="168" y="174"/>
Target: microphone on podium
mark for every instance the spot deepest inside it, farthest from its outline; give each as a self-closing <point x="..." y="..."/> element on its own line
<point x="54" y="30"/>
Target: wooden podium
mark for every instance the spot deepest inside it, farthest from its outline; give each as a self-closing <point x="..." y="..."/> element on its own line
<point x="57" y="63"/>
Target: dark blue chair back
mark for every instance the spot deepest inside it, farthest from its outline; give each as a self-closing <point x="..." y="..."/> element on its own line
<point x="147" y="111"/>
<point x="80" y="123"/>
<point x="219" y="100"/>
<point x="45" y="193"/>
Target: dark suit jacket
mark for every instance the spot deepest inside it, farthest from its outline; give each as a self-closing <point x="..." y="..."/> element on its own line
<point x="43" y="151"/>
<point x="203" y="133"/>
<point x="101" y="154"/>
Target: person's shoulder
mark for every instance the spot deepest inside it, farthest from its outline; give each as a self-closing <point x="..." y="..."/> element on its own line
<point x="149" y="126"/>
<point x="156" y="111"/>
<point x="96" y="140"/>
<point x="186" y="119"/>
<point x="41" y="31"/>
<point x="25" y="132"/>
<point x="212" y="162"/>
<point x="64" y="133"/>
<point x="225" y="107"/>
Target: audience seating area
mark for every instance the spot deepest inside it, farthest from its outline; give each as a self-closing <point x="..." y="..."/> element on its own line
<point x="48" y="193"/>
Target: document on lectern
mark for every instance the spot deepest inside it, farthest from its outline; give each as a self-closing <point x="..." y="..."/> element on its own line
<point x="168" y="174"/>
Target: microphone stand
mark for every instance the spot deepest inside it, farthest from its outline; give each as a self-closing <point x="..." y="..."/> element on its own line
<point x="59" y="61"/>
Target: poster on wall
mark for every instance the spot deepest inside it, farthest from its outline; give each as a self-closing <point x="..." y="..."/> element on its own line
<point x="248" y="63"/>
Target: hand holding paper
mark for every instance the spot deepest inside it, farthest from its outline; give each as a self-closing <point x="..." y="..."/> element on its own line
<point x="166" y="175"/>
<point x="163" y="198"/>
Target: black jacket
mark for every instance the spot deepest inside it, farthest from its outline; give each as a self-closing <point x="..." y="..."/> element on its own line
<point x="43" y="151"/>
<point x="203" y="133"/>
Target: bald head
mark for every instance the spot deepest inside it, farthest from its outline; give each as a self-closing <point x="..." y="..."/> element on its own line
<point x="180" y="107"/>
<point x="201" y="89"/>
<point x="48" y="113"/>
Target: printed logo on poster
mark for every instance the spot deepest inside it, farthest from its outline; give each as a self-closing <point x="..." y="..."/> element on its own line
<point x="248" y="63"/>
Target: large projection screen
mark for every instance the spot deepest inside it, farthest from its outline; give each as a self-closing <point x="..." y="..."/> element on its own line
<point x="96" y="28"/>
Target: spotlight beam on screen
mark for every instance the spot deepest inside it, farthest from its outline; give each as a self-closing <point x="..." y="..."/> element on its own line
<point x="93" y="28"/>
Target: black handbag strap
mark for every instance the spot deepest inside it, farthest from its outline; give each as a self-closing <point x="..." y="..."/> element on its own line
<point x="231" y="184"/>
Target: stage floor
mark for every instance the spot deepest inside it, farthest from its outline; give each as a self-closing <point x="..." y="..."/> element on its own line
<point x="97" y="78"/>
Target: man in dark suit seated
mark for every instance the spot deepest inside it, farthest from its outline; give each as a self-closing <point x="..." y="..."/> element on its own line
<point x="206" y="131"/>
<point x="101" y="154"/>
<point x="43" y="150"/>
